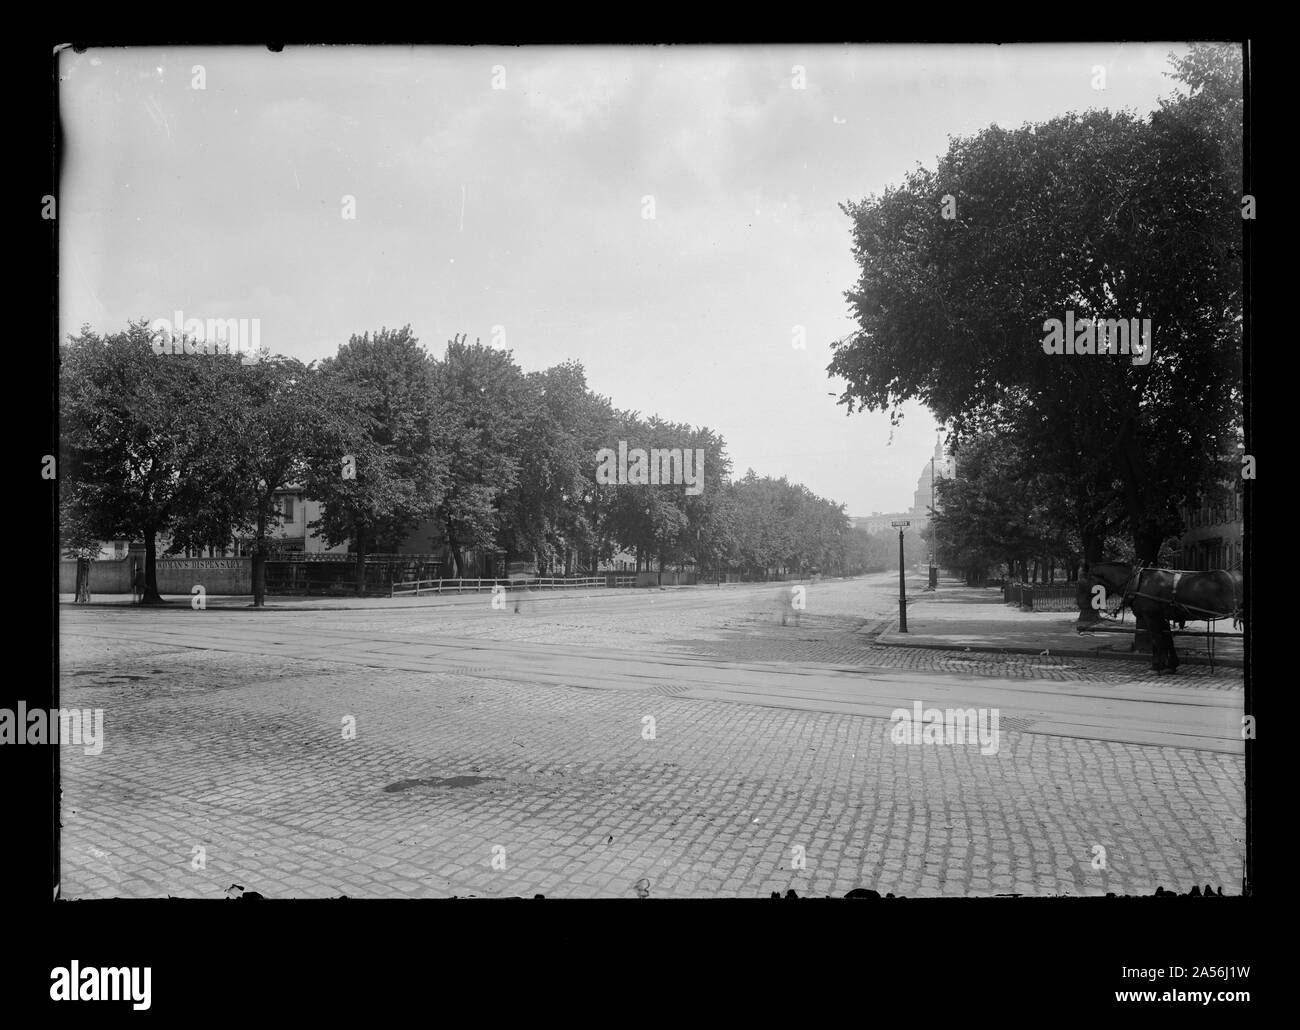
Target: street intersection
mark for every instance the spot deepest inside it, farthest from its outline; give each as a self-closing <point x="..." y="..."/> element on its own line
<point x="676" y="743"/>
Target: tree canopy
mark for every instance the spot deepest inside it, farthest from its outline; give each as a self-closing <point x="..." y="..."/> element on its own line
<point x="1102" y="215"/>
<point x="389" y="439"/>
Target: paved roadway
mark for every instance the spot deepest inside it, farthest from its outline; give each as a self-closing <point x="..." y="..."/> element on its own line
<point x="479" y="729"/>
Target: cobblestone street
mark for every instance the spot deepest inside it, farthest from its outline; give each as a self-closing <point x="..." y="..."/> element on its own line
<point x="601" y="746"/>
<point x="559" y="472"/>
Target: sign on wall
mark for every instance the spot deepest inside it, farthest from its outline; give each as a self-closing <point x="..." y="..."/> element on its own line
<point x="203" y="563"/>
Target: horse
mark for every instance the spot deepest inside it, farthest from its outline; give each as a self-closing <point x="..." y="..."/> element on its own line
<point x="1239" y="604"/>
<point x="1158" y="595"/>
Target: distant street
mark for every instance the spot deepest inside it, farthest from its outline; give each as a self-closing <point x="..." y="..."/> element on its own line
<point x="682" y="737"/>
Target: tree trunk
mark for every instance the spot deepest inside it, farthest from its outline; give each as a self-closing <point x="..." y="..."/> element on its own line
<point x="1092" y="544"/>
<point x="83" y="581"/>
<point x="457" y="559"/>
<point x="1146" y="545"/>
<point x="151" y="595"/>
<point x="361" y="559"/>
<point x="259" y="563"/>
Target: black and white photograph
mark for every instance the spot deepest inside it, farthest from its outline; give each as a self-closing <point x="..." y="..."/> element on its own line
<point x="654" y="473"/>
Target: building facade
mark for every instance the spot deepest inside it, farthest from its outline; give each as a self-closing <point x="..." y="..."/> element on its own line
<point x="1213" y="534"/>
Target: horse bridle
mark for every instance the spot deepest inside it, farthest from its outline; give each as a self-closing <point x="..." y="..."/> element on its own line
<point x="1124" y="592"/>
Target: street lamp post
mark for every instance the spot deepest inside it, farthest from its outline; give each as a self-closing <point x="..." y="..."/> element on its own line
<point x="902" y="582"/>
<point x="934" y="572"/>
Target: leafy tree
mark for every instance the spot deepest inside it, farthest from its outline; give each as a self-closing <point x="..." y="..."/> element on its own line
<point x="133" y="428"/>
<point x="384" y="425"/>
<point x="781" y="525"/>
<point x="77" y="536"/>
<point x="551" y="509"/>
<point x="484" y="406"/>
<point x="708" y="533"/>
<point x="268" y="414"/>
<point x="1101" y="214"/>
<point x="663" y="522"/>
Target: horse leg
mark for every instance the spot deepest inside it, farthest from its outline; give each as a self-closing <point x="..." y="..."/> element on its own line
<point x="1145" y="626"/>
<point x="1161" y="640"/>
<point x="1158" y="653"/>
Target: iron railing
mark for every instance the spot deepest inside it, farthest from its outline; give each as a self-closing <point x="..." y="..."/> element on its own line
<point x="1049" y="597"/>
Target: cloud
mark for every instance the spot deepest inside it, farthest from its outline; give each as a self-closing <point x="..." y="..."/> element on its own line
<point x="573" y="90"/>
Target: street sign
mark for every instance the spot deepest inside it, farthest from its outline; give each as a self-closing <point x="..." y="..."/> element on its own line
<point x="900" y="523"/>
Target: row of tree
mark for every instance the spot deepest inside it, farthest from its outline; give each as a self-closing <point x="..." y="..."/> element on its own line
<point x="388" y="438"/>
<point x="1103" y="214"/>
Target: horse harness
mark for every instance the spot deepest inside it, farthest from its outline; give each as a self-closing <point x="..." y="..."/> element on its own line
<point x="1185" y="609"/>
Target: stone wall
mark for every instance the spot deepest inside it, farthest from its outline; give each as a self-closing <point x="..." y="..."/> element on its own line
<point x="175" y="575"/>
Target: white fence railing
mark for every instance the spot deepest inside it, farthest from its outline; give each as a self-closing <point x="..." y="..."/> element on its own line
<point x="418" y="587"/>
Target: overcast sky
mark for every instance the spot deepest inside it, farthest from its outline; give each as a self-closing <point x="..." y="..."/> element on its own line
<point x="522" y="208"/>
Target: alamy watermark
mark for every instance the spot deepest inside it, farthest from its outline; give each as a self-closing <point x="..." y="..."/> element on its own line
<point x="57" y="725"/>
<point x="181" y="335"/>
<point x="660" y="466"/>
<point x="1099" y="336"/>
<point x="123" y="983"/>
<point x="949" y="726"/>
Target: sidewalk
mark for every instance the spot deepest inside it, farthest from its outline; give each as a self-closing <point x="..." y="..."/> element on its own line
<point x="319" y="602"/>
<point x="961" y="618"/>
<point x="308" y="603"/>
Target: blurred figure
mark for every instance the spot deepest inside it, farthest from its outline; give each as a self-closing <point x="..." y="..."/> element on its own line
<point x="519" y="574"/>
<point x="789" y="601"/>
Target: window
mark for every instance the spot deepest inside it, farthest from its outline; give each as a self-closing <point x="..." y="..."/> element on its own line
<point x="288" y="507"/>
